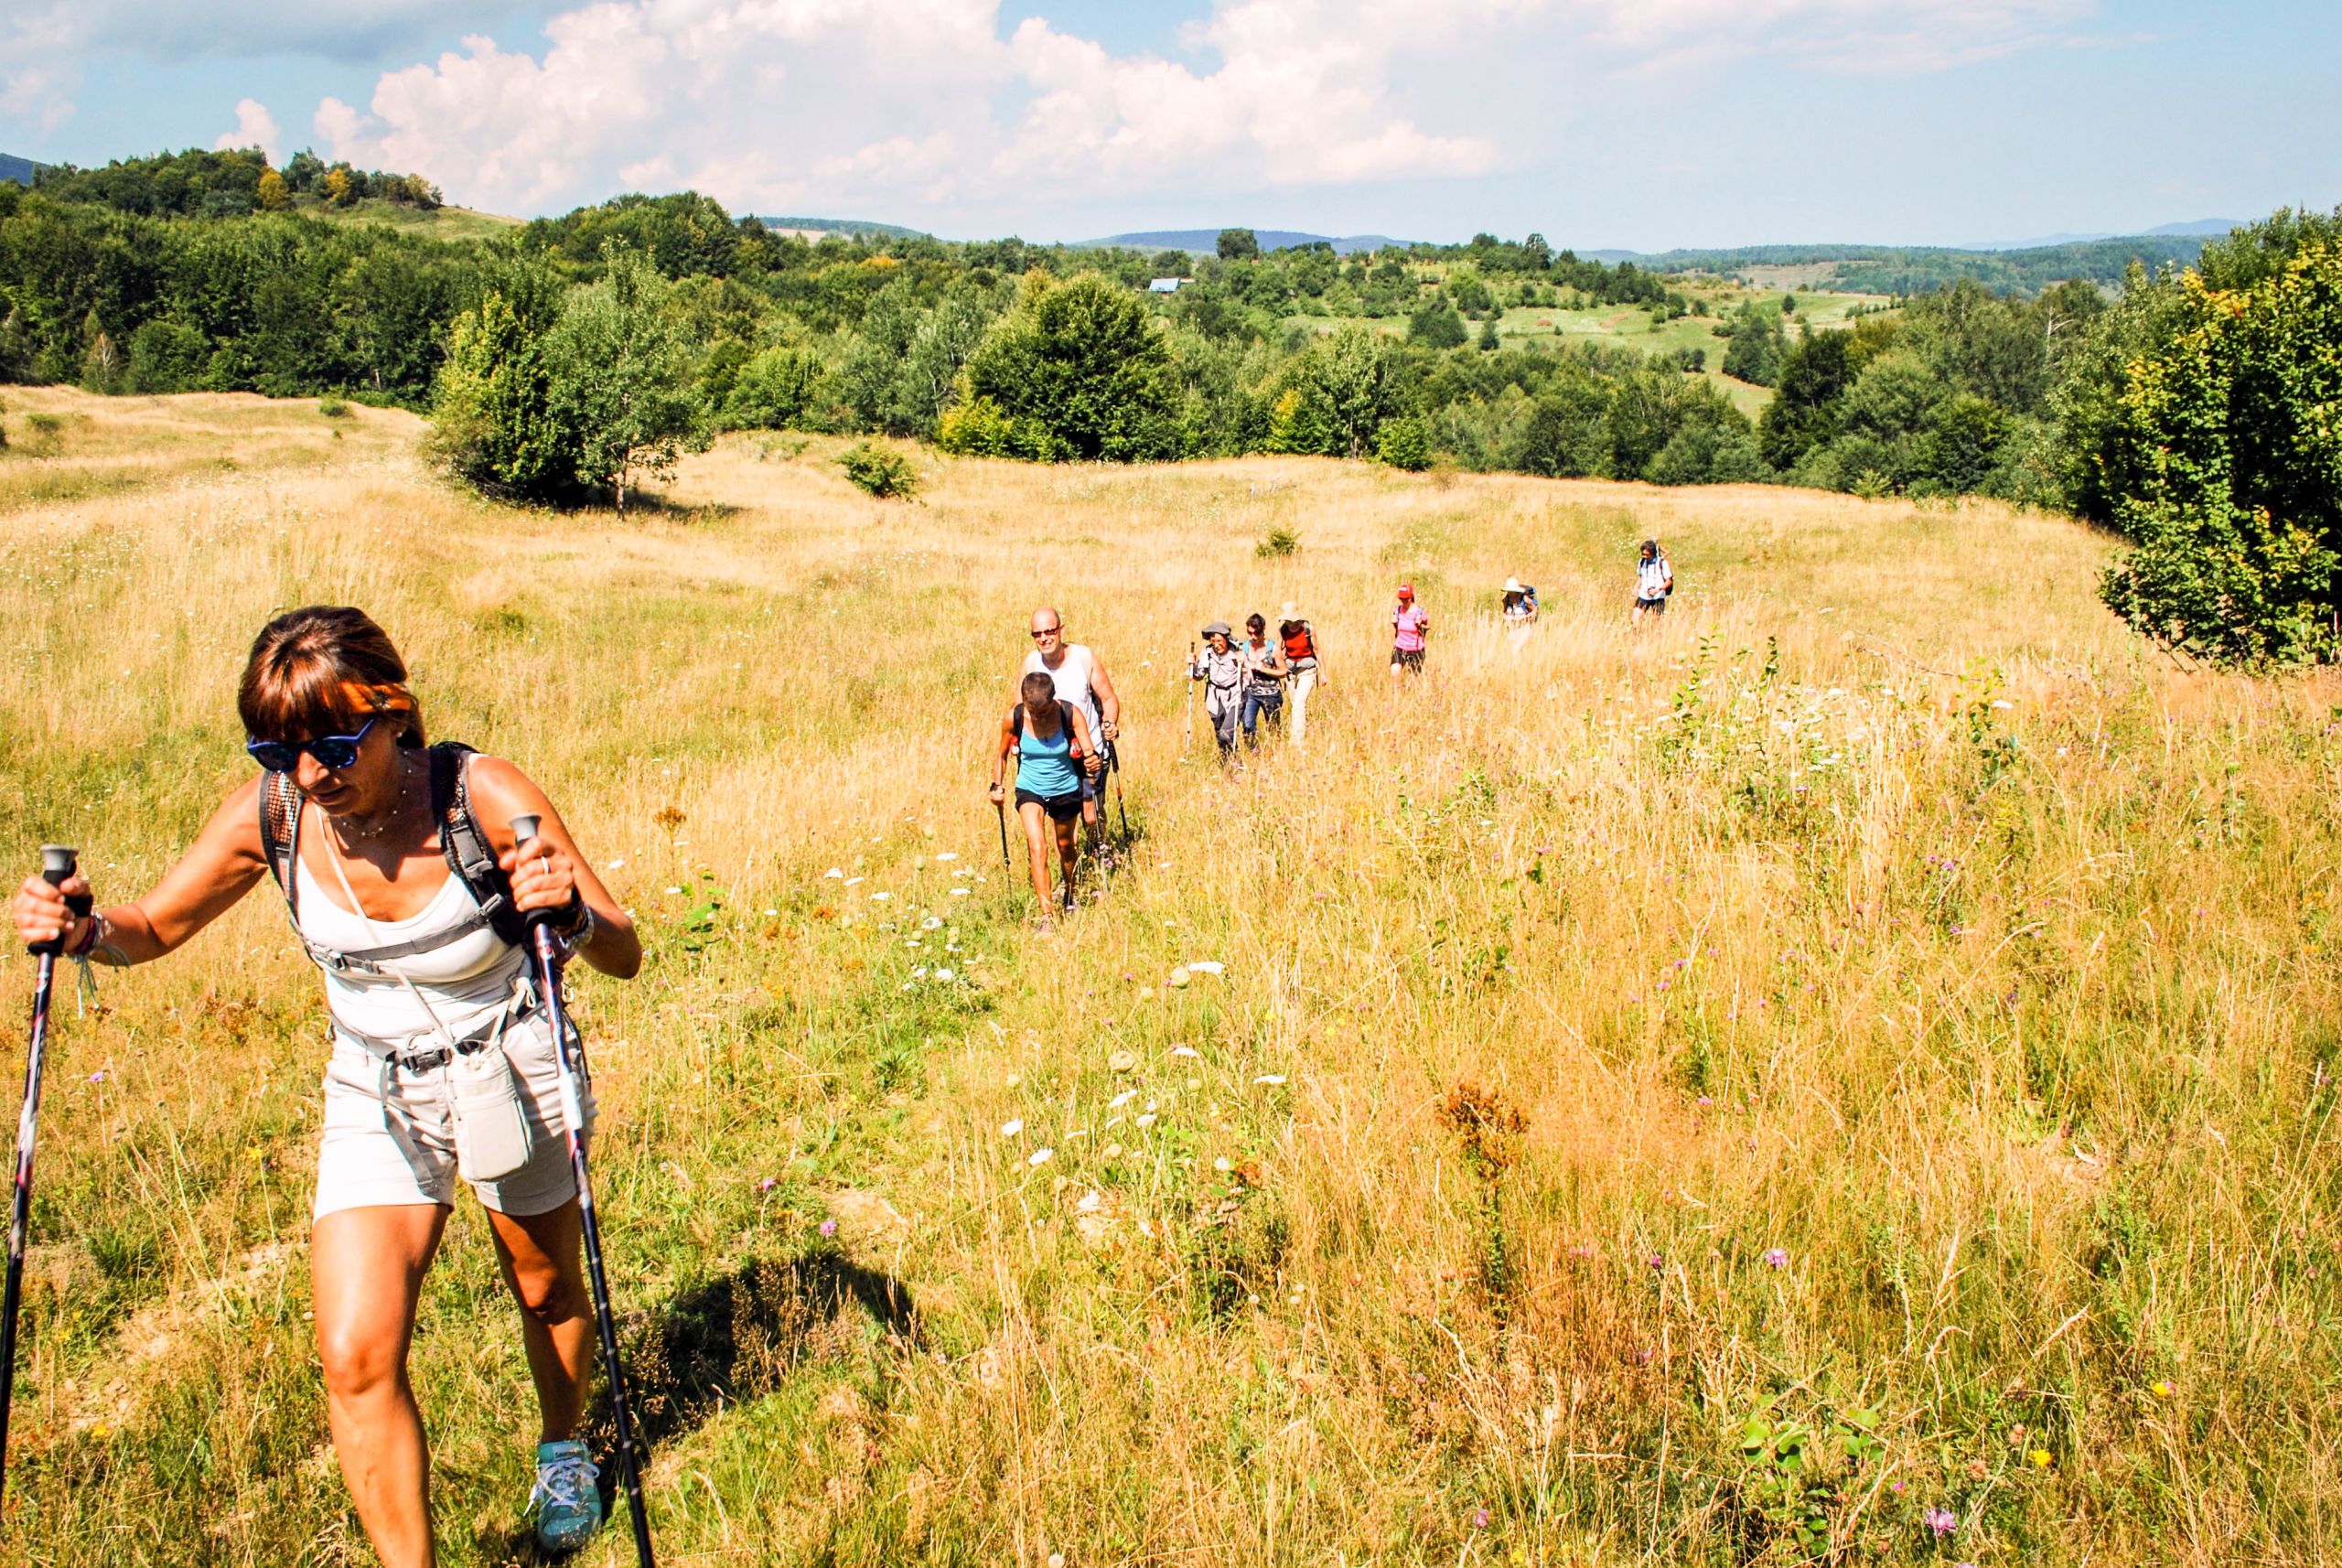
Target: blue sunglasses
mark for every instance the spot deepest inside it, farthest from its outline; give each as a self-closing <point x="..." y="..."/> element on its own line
<point x="333" y="752"/>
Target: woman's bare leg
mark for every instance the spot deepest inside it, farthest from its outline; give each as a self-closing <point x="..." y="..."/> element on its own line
<point x="543" y="1257"/>
<point x="366" y="1267"/>
<point x="1037" y="851"/>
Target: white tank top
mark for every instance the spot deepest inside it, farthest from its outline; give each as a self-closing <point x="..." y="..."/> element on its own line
<point x="473" y="975"/>
<point x="1072" y="678"/>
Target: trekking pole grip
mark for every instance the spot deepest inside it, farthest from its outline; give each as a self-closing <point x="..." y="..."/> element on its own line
<point x="524" y="832"/>
<point x="58" y="863"/>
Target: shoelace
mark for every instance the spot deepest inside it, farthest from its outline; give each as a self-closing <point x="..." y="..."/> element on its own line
<point x="565" y="1483"/>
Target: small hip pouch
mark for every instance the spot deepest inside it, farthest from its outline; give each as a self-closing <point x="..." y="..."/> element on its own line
<point x="491" y="1116"/>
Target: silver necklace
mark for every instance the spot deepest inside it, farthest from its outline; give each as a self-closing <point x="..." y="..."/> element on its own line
<point x="389" y="819"/>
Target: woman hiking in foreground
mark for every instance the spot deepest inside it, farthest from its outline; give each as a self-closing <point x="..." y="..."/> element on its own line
<point x="398" y="864"/>
<point x="1055" y="750"/>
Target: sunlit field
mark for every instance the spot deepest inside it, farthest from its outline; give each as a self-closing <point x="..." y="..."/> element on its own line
<point x="1843" y="1073"/>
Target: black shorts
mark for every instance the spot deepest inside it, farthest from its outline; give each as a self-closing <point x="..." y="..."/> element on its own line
<point x="1060" y="807"/>
<point x="1655" y="607"/>
<point x="1408" y="659"/>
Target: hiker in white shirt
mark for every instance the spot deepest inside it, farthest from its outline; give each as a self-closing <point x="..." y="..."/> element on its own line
<point x="1654" y="581"/>
<point x="1080" y="680"/>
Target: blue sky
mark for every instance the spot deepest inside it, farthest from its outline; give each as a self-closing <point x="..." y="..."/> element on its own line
<point x="1641" y="124"/>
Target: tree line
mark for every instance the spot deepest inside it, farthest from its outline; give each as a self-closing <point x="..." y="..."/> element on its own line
<point x="576" y="355"/>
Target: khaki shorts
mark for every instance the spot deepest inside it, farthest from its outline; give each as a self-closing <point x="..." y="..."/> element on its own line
<point x="388" y="1139"/>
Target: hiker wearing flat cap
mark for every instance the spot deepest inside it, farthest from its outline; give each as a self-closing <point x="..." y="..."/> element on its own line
<point x="1221" y="667"/>
<point x="1301" y="661"/>
<point x="1654" y="581"/>
<point x="1410" y="630"/>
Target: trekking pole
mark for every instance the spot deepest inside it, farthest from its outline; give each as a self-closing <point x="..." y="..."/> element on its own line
<point x="1189" y="738"/>
<point x="1007" y="871"/>
<point x="1115" y="766"/>
<point x="57" y="864"/>
<point x="570" y="1052"/>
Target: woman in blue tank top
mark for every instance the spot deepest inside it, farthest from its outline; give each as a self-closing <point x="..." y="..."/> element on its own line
<point x="1053" y="747"/>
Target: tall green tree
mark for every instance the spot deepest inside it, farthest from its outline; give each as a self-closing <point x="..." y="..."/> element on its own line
<point x="2232" y="441"/>
<point x="495" y="422"/>
<point x="1084" y="364"/>
<point x="622" y="376"/>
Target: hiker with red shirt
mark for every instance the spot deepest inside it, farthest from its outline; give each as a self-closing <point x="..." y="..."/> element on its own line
<point x="1302" y="659"/>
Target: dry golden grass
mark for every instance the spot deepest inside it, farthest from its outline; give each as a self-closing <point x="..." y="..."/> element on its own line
<point x="2012" y="1026"/>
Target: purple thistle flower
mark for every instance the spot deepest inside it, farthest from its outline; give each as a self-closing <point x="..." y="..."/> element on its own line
<point x="1480" y="1518"/>
<point x="1657" y="1262"/>
<point x="1776" y="1256"/>
<point x="829" y="1227"/>
<point x="1941" y="1520"/>
<point x="767" y="1185"/>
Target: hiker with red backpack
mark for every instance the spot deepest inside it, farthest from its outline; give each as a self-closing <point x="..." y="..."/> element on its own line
<point x="410" y="891"/>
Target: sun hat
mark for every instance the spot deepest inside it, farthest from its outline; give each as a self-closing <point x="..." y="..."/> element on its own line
<point x="1288" y="611"/>
<point x="1218" y="628"/>
<point x="1406" y="590"/>
<point x="1512" y="586"/>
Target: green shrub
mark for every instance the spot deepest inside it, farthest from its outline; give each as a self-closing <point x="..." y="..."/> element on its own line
<point x="1282" y="541"/>
<point x="880" y="471"/>
<point x="2228" y="433"/>
<point x="333" y="408"/>
<point x="1403" y="443"/>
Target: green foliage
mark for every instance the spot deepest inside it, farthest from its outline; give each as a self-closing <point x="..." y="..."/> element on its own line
<point x="880" y="471"/>
<point x="1758" y="348"/>
<point x="1403" y="443"/>
<point x="1238" y="244"/>
<point x="774" y="390"/>
<point x="1277" y="543"/>
<point x="621" y="377"/>
<point x="1436" y="325"/>
<point x="496" y="422"/>
<point x="1084" y="363"/>
<point x="2228" y="429"/>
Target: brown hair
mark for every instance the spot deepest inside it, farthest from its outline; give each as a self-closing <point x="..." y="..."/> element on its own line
<point x="324" y="670"/>
<point x="1038" y="693"/>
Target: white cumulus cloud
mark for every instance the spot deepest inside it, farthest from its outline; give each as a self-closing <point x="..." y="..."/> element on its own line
<point x="255" y="127"/>
<point x="911" y="105"/>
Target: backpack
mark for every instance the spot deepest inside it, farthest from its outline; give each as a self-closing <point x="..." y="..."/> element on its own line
<point x="1073" y="752"/>
<point x="469" y="859"/>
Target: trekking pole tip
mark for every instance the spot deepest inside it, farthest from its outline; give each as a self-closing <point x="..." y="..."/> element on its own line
<point x="58" y="862"/>
<point x="524" y="828"/>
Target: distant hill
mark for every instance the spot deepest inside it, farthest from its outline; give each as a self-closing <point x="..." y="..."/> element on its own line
<point x="1916" y="269"/>
<point x="814" y="228"/>
<point x="1206" y="241"/>
<point x="16" y="169"/>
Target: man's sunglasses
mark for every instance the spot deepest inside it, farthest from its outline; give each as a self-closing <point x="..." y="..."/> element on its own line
<point x="333" y="752"/>
<point x="1046" y="632"/>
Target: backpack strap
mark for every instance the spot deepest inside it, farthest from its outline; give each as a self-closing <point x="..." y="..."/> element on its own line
<point x="280" y="831"/>
<point x="469" y="858"/>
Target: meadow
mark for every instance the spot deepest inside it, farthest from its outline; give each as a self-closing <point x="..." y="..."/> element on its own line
<point x="1845" y="1073"/>
<point x="1629" y="326"/>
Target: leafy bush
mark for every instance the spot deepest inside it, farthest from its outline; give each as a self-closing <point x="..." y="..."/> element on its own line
<point x="333" y="408"/>
<point x="1083" y="363"/>
<point x="1281" y="542"/>
<point x="2230" y="431"/>
<point x="1403" y="443"/>
<point x="880" y="471"/>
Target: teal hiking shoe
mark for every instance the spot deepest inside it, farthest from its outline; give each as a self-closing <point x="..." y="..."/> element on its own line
<point x="568" y="1504"/>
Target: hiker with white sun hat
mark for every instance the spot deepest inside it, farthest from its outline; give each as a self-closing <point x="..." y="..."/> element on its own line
<point x="1519" y="602"/>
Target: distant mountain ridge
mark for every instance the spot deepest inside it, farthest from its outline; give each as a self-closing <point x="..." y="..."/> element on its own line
<point x="843" y="226"/>
<point x="1206" y="241"/>
<point x="16" y="169"/>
